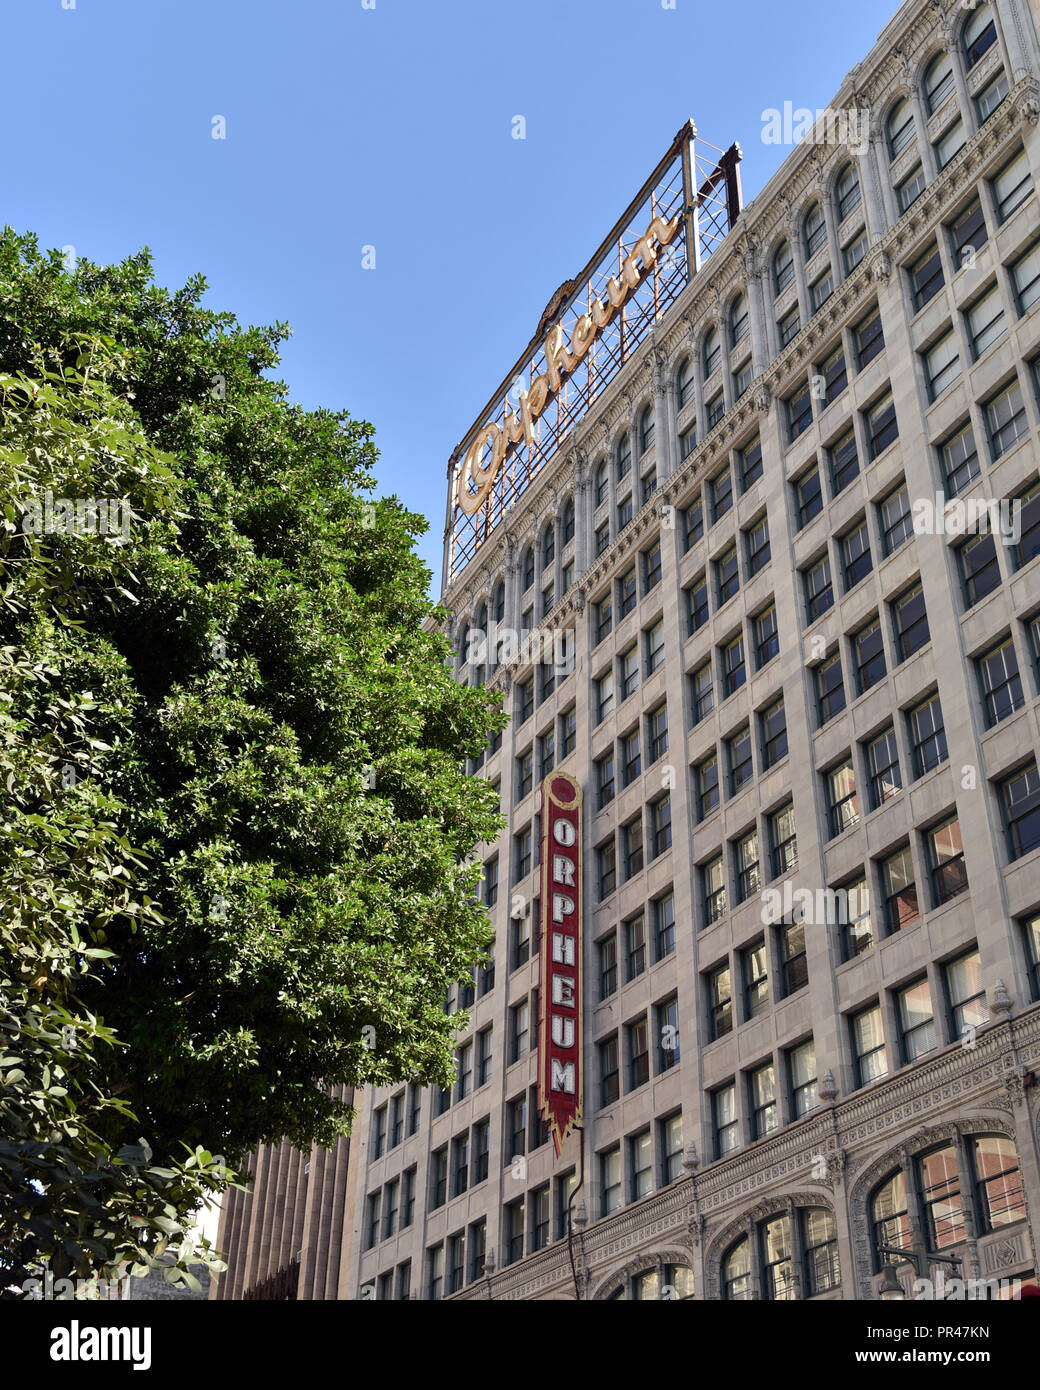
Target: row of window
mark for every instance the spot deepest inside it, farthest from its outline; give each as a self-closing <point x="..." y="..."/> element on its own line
<point x="750" y="873"/>
<point x="639" y="1044"/>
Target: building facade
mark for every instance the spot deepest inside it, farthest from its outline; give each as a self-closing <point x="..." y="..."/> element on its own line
<point x="792" y="553"/>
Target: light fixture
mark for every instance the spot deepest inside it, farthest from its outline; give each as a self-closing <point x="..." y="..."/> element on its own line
<point x="890" y="1288"/>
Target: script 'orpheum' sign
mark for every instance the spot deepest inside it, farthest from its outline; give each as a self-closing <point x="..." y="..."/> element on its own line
<point x="590" y="328"/>
<point x="559" y="1027"/>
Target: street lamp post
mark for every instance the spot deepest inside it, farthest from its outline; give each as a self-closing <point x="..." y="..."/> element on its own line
<point x="915" y="1254"/>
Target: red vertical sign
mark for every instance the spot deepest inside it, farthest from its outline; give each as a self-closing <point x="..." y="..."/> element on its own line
<point x="559" y="1027"/>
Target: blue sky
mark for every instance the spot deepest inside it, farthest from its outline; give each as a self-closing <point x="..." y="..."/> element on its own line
<point x="388" y="127"/>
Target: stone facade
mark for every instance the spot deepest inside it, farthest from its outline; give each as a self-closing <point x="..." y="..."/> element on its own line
<point x="839" y="1134"/>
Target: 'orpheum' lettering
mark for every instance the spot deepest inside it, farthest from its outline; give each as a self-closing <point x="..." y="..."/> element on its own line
<point x="559" y="1035"/>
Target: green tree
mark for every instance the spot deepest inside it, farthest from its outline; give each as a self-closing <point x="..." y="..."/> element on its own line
<point x="238" y="844"/>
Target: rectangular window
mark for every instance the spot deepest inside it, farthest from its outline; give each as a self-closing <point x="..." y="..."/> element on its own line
<point x="525" y="701"/>
<point x="855" y="555"/>
<point x="635" y="947"/>
<point x="628" y="672"/>
<point x="604" y="781"/>
<point x="900" y="889"/>
<point x="842" y="801"/>
<point x="439" y="1177"/>
<point x="631" y="763"/>
<point x="751" y="460"/>
<point x="609" y="1072"/>
<point x="460" y="1165"/>
<point x="652" y="567"/>
<point x="844" y="461"/>
<point x="927" y="735"/>
<point x="660" y="826"/>
<point x="655" y="647"/>
<point x="464" y="1070"/>
<point x="868" y="1045"/>
<point x="1012" y="186"/>
<point x="664" y="926"/>
<point x="666" y="1022"/>
<point x="604" y="688"/>
<point x="435" y="1272"/>
<point x="624" y="512"/>
<point x="966" y="995"/>
<point x="1006" y="420"/>
<point x="707" y="777"/>
<point x="911" y="188"/>
<point x="638" y="1047"/>
<point x="670" y="1143"/>
<point x="757" y="542"/>
<point x="378" y="1132"/>
<point x="869" y="651"/>
<point x="738" y="750"/>
<point x="869" y="338"/>
<point x="713" y="884"/>
<point x="980" y="570"/>
<point x="568" y="731"/>
<point x="853" y="253"/>
<point x="799" y="412"/>
<point x="767" y="639"/>
<point x="720" y="489"/>
<point x="886" y="780"/>
<point x="859" y="927"/>
<point x="819" y="589"/>
<point x="602" y="618"/>
<point x="942" y="365"/>
<point x="606" y="868"/>
<point x="523" y="845"/>
<point x="727" y="575"/>
<point x="1020" y="802"/>
<point x="991" y="96"/>
<point x="801" y="1065"/>
<point x="773" y="722"/>
<point x="1031" y="937"/>
<point x="602" y="537"/>
<point x="949" y="143"/>
<point x="755" y="972"/>
<point x="762" y="1088"/>
<point x="911" y="622"/>
<point x="546" y="754"/>
<point x="702" y="697"/>
<point x="610" y="1179"/>
<point x="793" y="960"/>
<point x="519" y="1030"/>
<point x="830" y="689"/>
<point x="1025" y="276"/>
<point x="656" y="734"/>
<point x="734" y="668"/>
<point x="821" y="290"/>
<point x="882" y="426"/>
<point x="809" y="496"/>
<point x="1000" y="682"/>
<point x="632" y="847"/>
<point x="627" y="593"/>
<point x="946" y="858"/>
<point x="697" y="604"/>
<point x="714" y="410"/>
<point x="986" y="321"/>
<point x="784" y="840"/>
<point x="968" y="234"/>
<point x="720" y="1000"/>
<point x="1028" y="546"/>
<point x="749" y="878"/>
<point x="513" y="1231"/>
<point x="693" y="524"/>
<point x="477" y="1249"/>
<point x="725" y="1120"/>
<point x="539" y="1223"/>
<point x="960" y="459"/>
<point x="484" y="1046"/>
<point x="789" y="326"/>
<point x="916" y="1022"/>
<point x="926" y="276"/>
<point x="607" y="952"/>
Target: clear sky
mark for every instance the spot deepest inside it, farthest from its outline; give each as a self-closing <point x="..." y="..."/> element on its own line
<point x="389" y="126"/>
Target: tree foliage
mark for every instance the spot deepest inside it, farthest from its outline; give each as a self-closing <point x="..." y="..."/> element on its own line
<point x="236" y="859"/>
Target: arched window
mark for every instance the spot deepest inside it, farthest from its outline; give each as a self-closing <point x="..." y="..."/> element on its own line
<point x="815" y="228"/>
<point x="646" y="429"/>
<point x="736" y="1272"/>
<point x="979" y="36"/>
<point x="602" y="480"/>
<point x="499" y="602"/>
<point x="738" y="320"/>
<point x="783" y="266"/>
<point x="847" y="191"/>
<point x="527" y="568"/>
<point x="624" y="456"/>
<point x="684" y="381"/>
<point x="549" y="544"/>
<point x="938" y="81"/>
<point x="890" y="1218"/>
<point x="568" y="520"/>
<point x="900" y="127"/>
<point x="712" y="351"/>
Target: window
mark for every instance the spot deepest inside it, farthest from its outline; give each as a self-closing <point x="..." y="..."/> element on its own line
<point x="734" y="668"/>
<point x="713" y="883"/>
<point x="815" y="228"/>
<point x="949" y="143"/>
<point x="631" y="764"/>
<point x="774" y="733"/>
<point x="942" y="365"/>
<point x="868" y="1045"/>
<point x="609" y="1073"/>
<point x="628" y="672"/>
<point x="601" y="485"/>
<point x="684" y="382"/>
<point x="707" y="776"/>
<point x="911" y="622"/>
<point x="372" y="1237"/>
<point x="960" y="460"/>
<point x="548" y="679"/>
<point x="1000" y="682"/>
<point x="738" y="320"/>
<point x="460" y="1165"/>
<point x="855" y="914"/>
<point x="979" y="35"/>
<point x="693" y="524"/>
<point x="378" y="1131"/>
<point x="789" y="326"/>
<point x="842" y="802"/>
<point x="404" y="1281"/>
<point x="801" y="1065"/>
<point x="946" y="858"/>
<point x="897" y="877"/>
<point x="632" y="847"/>
<point x="911" y="188"/>
<point x="604" y="687"/>
<point x="521" y="940"/>
<point x="464" y="1068"/>
<point x="783" y="266"/>
<point x="991" y="96"/>
<point x="855" y="555"/>
<point x="477" y="1249"/>
<point x="652" y="567"/>
<point x="660" y="826"/>
<point x="900" y="127"/>
<point x="749" y="878"/>
<point x="635" y="947"/>
<point x="602" y="538"/>
<point x="869" y="655"/>
<point x="610" y="1179"/>
<point x="756" y="980"/>
<point x="568" y="732"/>
<point x="891" y="1217"/>
<point x="604" y="781"/>
<point x="847" y="191"/>
<point x="1025" y="276"/>
<point x="491" y="882"/>
<point x="523" y="845"/>
<point x="656" y="734"/>
<point x="830" y="689"/>
<point x="1029" y="540"/>
<point x="926" y="276"/>
<point x="624" y="456"/>
<point x="513" y="1230"/>
<point x="883" y="761"/>
<point x="602" y="618"/>
<point x="966" y="995"/>
<point x="762" y="1087"/>
<point x="938" y="82"/>
<point x="667" y="1025"/>
<point x="727" y="575"/>
<point x="1006" y="420"/>
<point x="396" y="1120"/>
<point x="757" y="541"/>
<point x="638" y="1047"/>
<point x="539" y="1223"/>
<point x="767" y="640"/>
<point x="664" y="925"/>
<point x="714" y="410"/>
<point x="980" y="572"/>
<point x="516" y="1127"/>
<point x="819" y="590"/>
<point x="1020" y="801"/>
<point x="712" y="352"/>
<point x="655" y="647"/>
<point x="821" y="290"/>
<point x="519" y="1028"/>
<point x="844" y="461"/>
<point x="750" y="464"/>
<point x="646" y="429"/>
<point x="565" y="1187"/>
<point x="793" y="962"/>
<point x="607" y="952"/>
<point x="627" y="593"/>
<point x="986" y="322"/>
<point x="810" y="497"/>
<point x="725" y="1121"/>
<point x="939" y="1184"/>
<point x="439" y="1177"/>
<point x="720" y="490"/>
<point x="697" y="604"/>
<point x="927" y="735"/>
<point x="414" y="1109"/>
<point x="606" y="868"/>
<point x="738" y="749"/>
<point x="799" y="412"/>
<point x="854" y="251"/>
<point x="525" y="701"/>
<point x="670" y="1143"/>
<point x="720" y="1000"/>
<point x="702" y="696"/>
<point x="998" y="1182"/>
<point x="784" y="840"/>
<point x="435" y="1272"/>
<point x="917" y="1026"/>
<point x="484" y="1045"/>
<point x="869" y="338"/>
<point x="1012" y="186"/>
<point x="834" y="373"/>
<point x="547" y="753"/>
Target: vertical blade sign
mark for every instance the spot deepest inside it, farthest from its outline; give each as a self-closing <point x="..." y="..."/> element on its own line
<point x="559" y="1027"/>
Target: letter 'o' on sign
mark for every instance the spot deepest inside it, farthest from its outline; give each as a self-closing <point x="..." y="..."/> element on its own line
<point x="559" y="1024"/>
